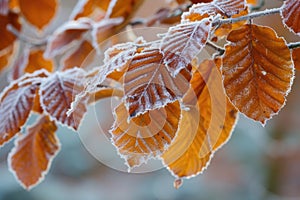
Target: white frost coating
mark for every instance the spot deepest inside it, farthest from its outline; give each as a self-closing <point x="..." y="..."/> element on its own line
<point x="110" y="8"/>
<point x="44" y="173"/>
<point x="80" y="24"/>
<point x="78" y="8"/>
<point x="183" y="42"/>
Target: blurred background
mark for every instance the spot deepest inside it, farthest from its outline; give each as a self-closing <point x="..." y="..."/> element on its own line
<point x="257" y="162"/>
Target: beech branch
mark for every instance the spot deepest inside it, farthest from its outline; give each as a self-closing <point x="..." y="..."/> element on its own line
<point x="250" y="16"/>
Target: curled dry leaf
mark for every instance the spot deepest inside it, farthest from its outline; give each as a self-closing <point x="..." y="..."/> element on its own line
<point x="148" y="84"/>
<point x="63" y="37"/>
<point x="38" y="13"/>
<point x="30" y="62"/>
<point x="78" y="58"/>
<point x="7" y="38"/>
<point x="33" y="153"/>
<point x="290" y="13"/>
<point x="205" y="127"/>
<point x="57" y="93"/>
<point x="296" y="58"/>
<point x="183" y="42"/>
<point x="225" y="8"/>
<point x="257" y="71"/>
<point x="145" y="136"/>
<point x="16" y="103"/>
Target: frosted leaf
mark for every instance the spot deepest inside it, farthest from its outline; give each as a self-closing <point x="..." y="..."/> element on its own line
<point x="16" y="102"/>
<point x="257" y="71"/>
<point x="148" y="84"/>
<point x="33" y="153"/>
<point x="226" y="8"/>
<point x="65" y="35"/>
<point x="145" y="136"/>
<point x="58" y="92"/>
<point x="183" y="42"/>
<point x="290" y="14"/>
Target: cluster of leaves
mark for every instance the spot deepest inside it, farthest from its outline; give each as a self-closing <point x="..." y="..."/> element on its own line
<point x="173" y="108"/>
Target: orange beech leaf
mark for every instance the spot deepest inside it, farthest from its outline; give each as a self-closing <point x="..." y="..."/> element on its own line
<point x="79" y="56"/>
<point x="33" y="153"/>
<point x="94" y="9"/>
<point x="252" y="2"/>
<point x="16" y="102"/>
<point x="258" y="71"/>
<point x="57" y="93"/>
<point x="30" y="62"/>
<point x="145" y="136"/>
<point x="290" y="14"/>
<point x="5" y="57"/>
<point x="204" y="127"/>
<point x="14" y="5"/>
<point x="7" y="38"/>
<point x="183" y="42"/>
<point x="38" y="13"/>
<point x="4" y="7"/>
<point x="226" y="8"/>
<point x="65" y="35"/>
<point x="148" y="84"/>
<point x="296" y="58"/>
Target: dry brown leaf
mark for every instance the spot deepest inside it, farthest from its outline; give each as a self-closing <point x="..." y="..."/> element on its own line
<point x="57" y="93"/>
<point x="30" y="62"/>
<point x="205" y="127"/>
<point x="296" y="58"/>
<point x="258" y="71"/>
<point x="79" y="56"/>
<point x="148" y="84"/>
<point x="38" y="13"/>
<point x="16" y="103"/>
<point x="33" y="153"/>
<point x="7" y="38"/>
<point x="291" y="16"/>
<point x="145" y="136"/>
<point x="183" y="42"/>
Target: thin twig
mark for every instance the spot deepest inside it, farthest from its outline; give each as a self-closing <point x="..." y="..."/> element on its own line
<point x="221" y="50"/>
<point x="294" y="45"/>
<point x="247" y="17"/>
